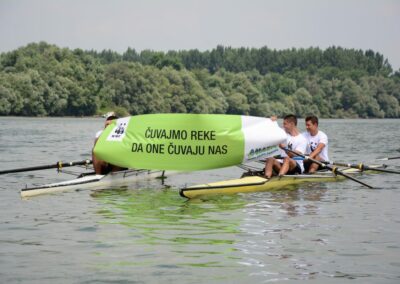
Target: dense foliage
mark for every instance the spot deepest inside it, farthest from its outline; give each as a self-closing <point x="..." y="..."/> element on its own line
<point x="41" y="79"/>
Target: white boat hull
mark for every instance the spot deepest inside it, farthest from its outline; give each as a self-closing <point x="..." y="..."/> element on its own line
<point x="115" y="179"/>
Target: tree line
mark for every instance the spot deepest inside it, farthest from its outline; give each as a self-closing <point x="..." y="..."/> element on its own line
<point x="40" y="79"/>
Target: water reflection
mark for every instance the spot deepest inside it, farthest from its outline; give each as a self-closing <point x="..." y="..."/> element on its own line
<point x="159" y="223"/>
<point x="243" y="232"/>
<point x="272" y="228"/>
<point x="327" y="232"/>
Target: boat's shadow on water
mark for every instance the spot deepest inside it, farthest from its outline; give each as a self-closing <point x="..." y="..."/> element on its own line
<point x="155" y="223"/>
<point x="162" y="205"/>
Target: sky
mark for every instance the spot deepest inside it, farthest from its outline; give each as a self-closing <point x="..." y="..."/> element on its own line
<point x="164" y="25"/>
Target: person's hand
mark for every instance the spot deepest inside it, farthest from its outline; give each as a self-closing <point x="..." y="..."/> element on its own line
<point x="274" y="118"/>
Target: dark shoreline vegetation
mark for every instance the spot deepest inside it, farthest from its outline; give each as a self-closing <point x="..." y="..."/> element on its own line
<point x="40" y="79"/>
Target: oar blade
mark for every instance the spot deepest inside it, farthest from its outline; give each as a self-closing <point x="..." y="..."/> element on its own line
<point x="334" y="170"/>
<point x="388" y="158"/>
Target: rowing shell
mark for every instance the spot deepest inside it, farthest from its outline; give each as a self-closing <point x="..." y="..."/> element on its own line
<point x="257" y="183"/>
<point x="114" y="179"/>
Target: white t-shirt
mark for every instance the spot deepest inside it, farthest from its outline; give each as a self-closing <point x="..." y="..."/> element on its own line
<point x="98" y="133"/>
<point x="296" y="143"/>
<point x="313" y="141"/>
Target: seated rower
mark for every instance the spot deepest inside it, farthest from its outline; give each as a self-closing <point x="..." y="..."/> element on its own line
<point x="317" y="144"/>
<point x="102" y="167"/>
<point x="295" y="141"/>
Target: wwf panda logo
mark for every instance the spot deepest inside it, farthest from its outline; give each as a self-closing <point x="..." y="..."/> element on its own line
<point x="313" y="145"/>
<point x="120" y="129"/>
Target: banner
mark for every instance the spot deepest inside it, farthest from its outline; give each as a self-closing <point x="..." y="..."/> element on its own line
<point x="187" y="142"/>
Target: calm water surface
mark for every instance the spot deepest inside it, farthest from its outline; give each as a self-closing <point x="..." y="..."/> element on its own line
<point x="328" y="233"/>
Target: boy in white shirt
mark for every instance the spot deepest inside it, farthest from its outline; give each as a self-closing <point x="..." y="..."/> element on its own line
<point x="317" y="144"/>
<point x="295" y="141"/>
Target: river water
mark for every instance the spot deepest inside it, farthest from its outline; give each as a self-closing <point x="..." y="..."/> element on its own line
<point x="329" y="233"/>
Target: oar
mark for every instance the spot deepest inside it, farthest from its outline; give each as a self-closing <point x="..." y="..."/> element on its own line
<point x="58" y="165"/>
<point x="335" y="170"/>
<point x="361" y="167"/>
<point x="388" y="158"/>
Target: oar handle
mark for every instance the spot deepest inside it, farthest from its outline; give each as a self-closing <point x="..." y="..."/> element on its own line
<point x="306" y="158"/>
<point x="58" y="165"/>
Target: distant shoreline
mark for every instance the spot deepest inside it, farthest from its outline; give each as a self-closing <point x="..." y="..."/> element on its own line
<point x="44" y="80"/>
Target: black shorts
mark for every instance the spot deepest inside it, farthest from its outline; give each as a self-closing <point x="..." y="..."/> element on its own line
<point x="307" y="164"/>
<point x="295" y="171"/>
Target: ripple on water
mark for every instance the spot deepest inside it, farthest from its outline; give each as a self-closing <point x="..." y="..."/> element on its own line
<point x="330" y="232"/>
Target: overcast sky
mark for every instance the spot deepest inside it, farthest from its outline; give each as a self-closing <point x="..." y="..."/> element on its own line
<point x="203" y="24"/>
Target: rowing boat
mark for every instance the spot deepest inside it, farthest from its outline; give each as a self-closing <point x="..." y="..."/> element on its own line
<point x="245" y="184"/>
<point x="93" y="181"/>
<point x="257" y="183"/>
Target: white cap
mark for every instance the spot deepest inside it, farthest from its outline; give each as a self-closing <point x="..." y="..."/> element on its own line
<point x="111" y="115"/>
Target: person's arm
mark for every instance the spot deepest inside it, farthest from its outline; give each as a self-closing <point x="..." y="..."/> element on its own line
<point x="97" y="164"/>
<point x="323" y="141"/>
<point x="301" y="148"/>
<point x="317" y="150"/>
